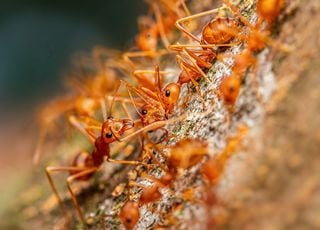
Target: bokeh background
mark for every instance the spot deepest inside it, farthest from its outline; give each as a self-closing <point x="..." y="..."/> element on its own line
<point x="37" y="41"/>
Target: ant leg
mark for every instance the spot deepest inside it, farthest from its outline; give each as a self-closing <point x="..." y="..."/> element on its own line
<point x="279" y="46"/>
<point x="73" y="197"/>
<point x="154" y="126"/>
<point x="254" y="81"/>
<point x="103" y="109"/>
<point x="150" y="154"/>
<point x="127" y="57"/>
<point x="185" y="67"/>
<point x="233" y="144"/>
<point x="175" y="9"/>
<point x="51" y="169"/>
<point x="128" y="162"/>
<point x="160" y="25"/>
<point x="163" y="138"/>
<point x="179" y="47"/>
<point x="77" y="124"/>
<point x="38" y="150"/>
<point x="196" y="66"/>
<point x="146" y="95"/>
<point x="159" y="124"/>
<point x="185" y="7"/>
<point x="200" y="62"/>
<point x="182" y="20"/>
<point x="140" y="76"/>
<point x="238" y="14"/>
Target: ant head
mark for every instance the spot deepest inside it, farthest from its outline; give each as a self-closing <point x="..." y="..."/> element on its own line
<point x="129" y="214"/>
<point x="230" y="87"/>
<point x="149" y="114"/>
<point x="112" y="129"/>
<point x="170" y="95"/>
<point x="147" y="39"/>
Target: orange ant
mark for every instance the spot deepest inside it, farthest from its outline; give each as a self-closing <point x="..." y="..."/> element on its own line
<point x="129" y="214"/>
<point x="159" y="102"/>
<point x="87" y="94"/>
<point x="166" y="13"/>
<point x="214" y="34"/>
<point x="256" y="40"/>
<point x="213" y="168"/>
<point x="183" y="155"/>
<point x="85" y="165"/>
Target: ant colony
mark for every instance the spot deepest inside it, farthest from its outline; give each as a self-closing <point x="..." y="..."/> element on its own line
<point x="169" y="114"/>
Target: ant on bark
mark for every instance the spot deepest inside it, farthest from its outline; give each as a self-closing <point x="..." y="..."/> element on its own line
<point x="84" y="165"/>
<point x="195" y="59"/>
<point x="165" y="14"/>
<point x="185" y="154"/>
<point x="256" y="39"/>
<point x="158" y="101"/>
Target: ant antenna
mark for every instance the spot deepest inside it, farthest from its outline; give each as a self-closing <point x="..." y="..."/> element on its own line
<point x="113" y="98"/>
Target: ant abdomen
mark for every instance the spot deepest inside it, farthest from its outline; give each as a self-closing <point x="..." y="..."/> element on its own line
<point x="216" y="31"/>
<point x="82" y="160"/>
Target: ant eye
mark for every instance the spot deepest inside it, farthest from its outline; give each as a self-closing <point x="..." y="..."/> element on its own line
<point x="110" y="117"/>
<point x="167" y="93"/>
<point x="144" y="112"/>
<point x="108" y="135"/>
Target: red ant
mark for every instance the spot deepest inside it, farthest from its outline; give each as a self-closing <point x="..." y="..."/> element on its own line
<point x="256" y="40"/>
<point x="183" y="155"/>
<point x="166" y="13"/>
<point x="213" y="169"/>
<point x="88" y="93"/>
<point x="129" y="214"/>
<point x="159" y="102"/>
<point x="84" y="164"/>
<point x="213" y="35"/>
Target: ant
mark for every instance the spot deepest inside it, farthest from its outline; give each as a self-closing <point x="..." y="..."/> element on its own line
<point x="256" y="40"/>
<point x="159" y="102"/>
<point x="165" y="13"/>
<point x="195" y="61"/>
<point x="84" y="165"/>
<point x="129" y="214"/>
<point x="88" y="93"/>
<point x="183" y="155"/>
<point x="213" y="168"/>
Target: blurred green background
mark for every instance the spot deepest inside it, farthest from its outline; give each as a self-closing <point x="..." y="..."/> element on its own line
<point x="38" y="37"/>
